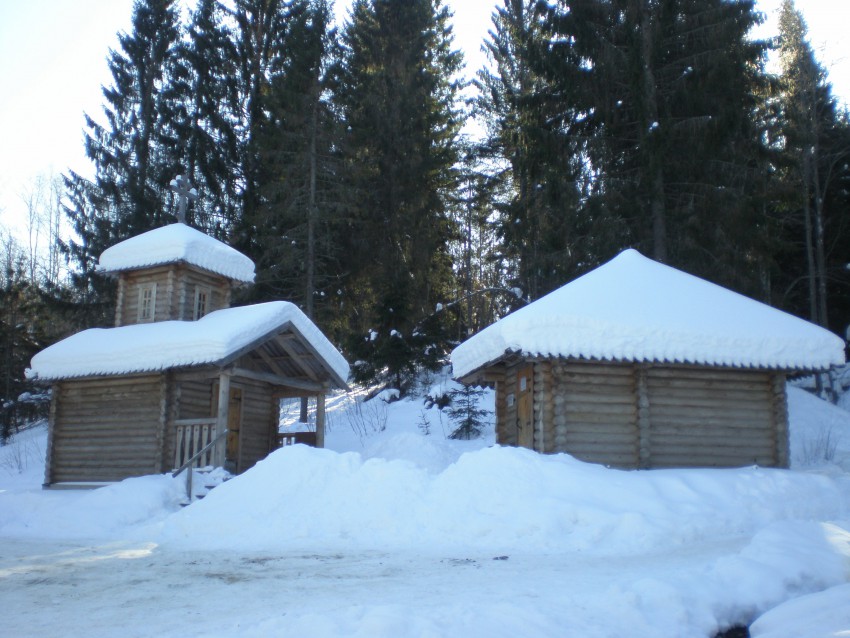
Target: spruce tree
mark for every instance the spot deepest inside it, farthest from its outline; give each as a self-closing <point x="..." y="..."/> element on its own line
<point x="396" y="89"/>
<point x="133" y="166"/>
<point x="466" y="412"/>
<point x="299" y="192"/>
<point x="259" y="36"/>
<point x="536" y="174"/>
<point x="205" y="116"/>
<point x="812" y="170"/>
<point x="663" y="95"/>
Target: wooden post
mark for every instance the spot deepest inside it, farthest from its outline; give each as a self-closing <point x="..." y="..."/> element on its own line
<point x="120" y="301"/>
<point x="222" y="414"/>
<point x="320" y="420"/>
<point x="643" y="418"/>
<point x="181" y="294"/>
<point x="780" y="419"/>
<point x="169" y="295"/>
<point x="51" y="427"/>
<point x="161" y="443"/>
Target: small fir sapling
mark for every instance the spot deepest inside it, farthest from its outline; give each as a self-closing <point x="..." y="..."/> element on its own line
<point x="424" y="424"/>
<point x="465" y="413"/>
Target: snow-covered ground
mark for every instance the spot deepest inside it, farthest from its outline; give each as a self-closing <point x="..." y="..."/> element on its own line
<point x="394" y="532"/>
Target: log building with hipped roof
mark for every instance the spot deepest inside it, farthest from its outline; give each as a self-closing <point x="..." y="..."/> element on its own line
<point x="639" y="365"/>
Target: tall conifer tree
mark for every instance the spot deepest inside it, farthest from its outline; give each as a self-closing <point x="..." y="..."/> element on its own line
<point x="538" y="179"/>
<point x="132" y="166"/>
<point x="206" y="113"/>
<point x="298" y="174"/>
<point x="813" y="171"/>
<point x="664" y="92"/>
<point x="397" y="92"/>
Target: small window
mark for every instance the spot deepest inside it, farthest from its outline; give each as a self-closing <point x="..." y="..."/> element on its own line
<point x="202" y="302"/>
<point x="511" y="400"/>
<point x="147" y="303"/>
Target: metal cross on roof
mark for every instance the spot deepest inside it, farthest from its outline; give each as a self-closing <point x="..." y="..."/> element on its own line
<point x="185" y="191"/>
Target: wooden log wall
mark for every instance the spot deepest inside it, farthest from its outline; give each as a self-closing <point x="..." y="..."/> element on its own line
<point x="175" y="292"/>
<point x="640" y="415"/>
<point x="128" y="310"/>
<point x="189" y="278"/>
<point x="258" y="416"/>
<point x="703" y="417"/>
<point x="779" y="395"/>
<point x="595" y="412"/>
<point x="190" y="398"/>
<point x="544" y="407"/>
<point x="196" y="401"/>
<point x="105" y="429"/>
<point x="506" y="407"/>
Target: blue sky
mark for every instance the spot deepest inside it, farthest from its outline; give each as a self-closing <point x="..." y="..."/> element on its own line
<point x="53" y="63"/>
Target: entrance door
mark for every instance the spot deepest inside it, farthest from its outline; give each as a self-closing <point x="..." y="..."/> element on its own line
<point x="234" y="425"/>
<point x="525" y="406"/>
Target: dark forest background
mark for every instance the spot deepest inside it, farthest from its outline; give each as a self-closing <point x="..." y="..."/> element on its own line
<point x="337" y="160"/>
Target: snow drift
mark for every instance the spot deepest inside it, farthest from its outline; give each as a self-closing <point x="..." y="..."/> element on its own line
<point x="494" y="499"/>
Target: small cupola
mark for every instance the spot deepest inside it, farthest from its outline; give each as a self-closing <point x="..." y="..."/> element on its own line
<point x="173" y="273"/>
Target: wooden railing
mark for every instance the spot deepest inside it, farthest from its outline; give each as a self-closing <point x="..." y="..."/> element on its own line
<point x="193" y="435"/>
<point x="291" y="438"/>
<point x="189" y="464"/>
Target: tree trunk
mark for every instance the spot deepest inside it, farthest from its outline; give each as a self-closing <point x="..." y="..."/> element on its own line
<point x="654" y="172"/>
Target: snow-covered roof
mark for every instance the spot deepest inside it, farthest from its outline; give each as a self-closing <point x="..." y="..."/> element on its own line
<point x="636" y="309"/>
<point x="161" y="345"/>
<point x="175" y="243"/>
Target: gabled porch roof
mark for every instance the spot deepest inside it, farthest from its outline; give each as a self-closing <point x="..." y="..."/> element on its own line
<point x="287" y="343"/>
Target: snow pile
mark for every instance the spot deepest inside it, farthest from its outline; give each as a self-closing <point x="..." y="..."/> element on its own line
<point x="176" y="243"/>
<point x="167" y="344"/>
<point x="496" y="499"/>
<point x="114" y="511"/>
<point x="820" y="432"/>
<point x="635" y="309"/>
<point x="822" y="615"/>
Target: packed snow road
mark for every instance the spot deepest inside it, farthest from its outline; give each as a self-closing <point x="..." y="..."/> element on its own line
<point x="138" y="589"/>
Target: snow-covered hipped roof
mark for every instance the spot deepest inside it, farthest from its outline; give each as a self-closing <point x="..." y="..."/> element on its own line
<point x="174" y="243"/>
<point x="161" y="345"/>
<point x="636" y="309"/>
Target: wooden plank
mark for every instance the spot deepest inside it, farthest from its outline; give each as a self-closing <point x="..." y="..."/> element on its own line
<point x="607" y="438"/>
<point x="706" y="374"/>
<point x="780" y="419"/>
<point x="712" y="436"/>
<point x="222" y="413"/>
<point x="51" y="434"/>
<point x="203" y="421"/>
<point x="159" y="461"/>
<point x="100" y="383"/>
<point x="688" y="461"/>
<point x="670" y="408"/>
<point x="320" y="421"/>
<point x="274" y="379"/>
<point x="119" y="299"/>
<point x="707" y="396"/>
<point x="621" y="460"/>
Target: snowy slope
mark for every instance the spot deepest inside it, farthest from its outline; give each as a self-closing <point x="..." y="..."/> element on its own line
<point x="636" y="309"/>
<point x="397" y="534"/>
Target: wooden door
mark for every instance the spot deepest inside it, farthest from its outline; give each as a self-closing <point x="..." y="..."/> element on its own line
<point x="234" y="426"/>
<point x="525" y="406"/>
